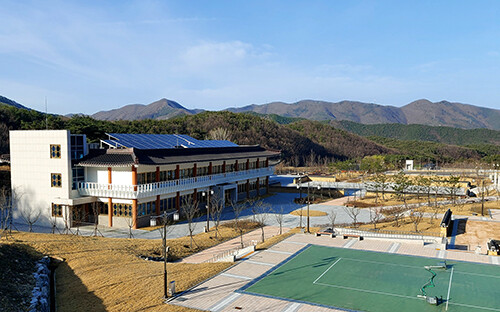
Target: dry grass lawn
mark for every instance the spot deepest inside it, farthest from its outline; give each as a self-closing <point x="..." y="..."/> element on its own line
<point x="465" y="209"/>
<point x="106" y="274"/>
<point x="370" y="200"/>
<point x="312" y="213"/>
<point x="407" y="225"/>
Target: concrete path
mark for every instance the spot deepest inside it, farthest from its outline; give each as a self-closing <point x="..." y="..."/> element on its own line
<point x="233" y="244"/>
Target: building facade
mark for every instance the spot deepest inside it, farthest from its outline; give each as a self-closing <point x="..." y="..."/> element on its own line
<point x="130" y="179"/>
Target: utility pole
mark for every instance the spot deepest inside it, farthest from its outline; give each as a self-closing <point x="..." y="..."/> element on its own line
<point x="308" y="201"/>
<point x="165" y="256"/>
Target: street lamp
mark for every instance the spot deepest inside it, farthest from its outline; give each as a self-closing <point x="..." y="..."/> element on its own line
<point x="208" y="193"/>
<point x="165" y="253"/>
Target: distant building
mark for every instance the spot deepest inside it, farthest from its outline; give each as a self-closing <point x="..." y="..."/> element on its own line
<point x="132" y="178"/>
<point x="409" y="165"/>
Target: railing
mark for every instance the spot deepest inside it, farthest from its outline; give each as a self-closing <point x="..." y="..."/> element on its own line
<point x="158" y="188"/>
<point x="231" y="252"/>
<point x="424" y="236"/>
<point x="389" y="187"/>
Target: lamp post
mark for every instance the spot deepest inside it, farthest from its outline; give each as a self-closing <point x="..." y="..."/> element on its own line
<point x="165" y="253"/>
<point x="208" y="193"/>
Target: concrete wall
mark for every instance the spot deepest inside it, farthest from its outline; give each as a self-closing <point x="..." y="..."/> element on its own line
<point x="31" y="169"/>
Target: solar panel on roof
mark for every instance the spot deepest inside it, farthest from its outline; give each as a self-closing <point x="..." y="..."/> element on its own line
<point x="162" y="141"/>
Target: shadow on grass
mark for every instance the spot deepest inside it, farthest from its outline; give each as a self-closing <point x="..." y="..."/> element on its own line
<point x="72" y="294"/>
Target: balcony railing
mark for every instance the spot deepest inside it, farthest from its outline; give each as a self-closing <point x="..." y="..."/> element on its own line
<point x="158" y="188"/>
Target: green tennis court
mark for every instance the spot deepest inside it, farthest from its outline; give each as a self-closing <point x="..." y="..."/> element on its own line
<point x="373" y="281"/>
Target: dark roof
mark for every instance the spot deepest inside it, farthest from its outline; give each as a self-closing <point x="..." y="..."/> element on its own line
<point x="109" y="158"/>
<point x="130" y="156"/>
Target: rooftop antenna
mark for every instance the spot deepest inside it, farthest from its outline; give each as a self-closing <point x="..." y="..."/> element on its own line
<point x="46" y="115"/>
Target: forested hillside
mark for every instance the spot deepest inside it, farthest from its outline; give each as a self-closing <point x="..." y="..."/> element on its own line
<point x="445" y="135"/>
<point x="301" y="141"/>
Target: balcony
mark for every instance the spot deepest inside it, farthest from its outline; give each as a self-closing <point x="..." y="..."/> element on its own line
<point x="159" y="188"/>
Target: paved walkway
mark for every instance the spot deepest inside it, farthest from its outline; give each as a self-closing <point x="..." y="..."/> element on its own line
<point x="220" y="293"/>
<point x="233" y="244"/>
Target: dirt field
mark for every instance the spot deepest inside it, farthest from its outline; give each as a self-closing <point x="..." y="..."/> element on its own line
<point x="312" y="213"/>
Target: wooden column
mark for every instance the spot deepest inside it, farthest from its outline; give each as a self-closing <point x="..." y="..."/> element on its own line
<point x="177" y="172"/>
<point x="257" y="164"/>
<point x="248" y="164"/>
<point x="157" y="204"/>
<point x="267" y="162"/>
<point x="210" y="168"/>
<point x="236" y="165"/>
<point x="258" y="187"/>
<point x="224" y="166"/>
<point x="194" y="170"/>
<point x="110" y="201"/>
<point x="248" y="189"/>
<point x="134" y="213"/>
<point x="178" y="202"/>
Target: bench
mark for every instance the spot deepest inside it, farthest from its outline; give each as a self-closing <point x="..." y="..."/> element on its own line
<point x="359" y="237"/>
<point x="332" y="235"/>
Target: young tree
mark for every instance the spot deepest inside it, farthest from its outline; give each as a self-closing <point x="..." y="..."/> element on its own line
<point x="401" y="185"/>
<point x="453" y="185"/>
<point x="416" y="215"/>
<point x="260" y="212"/>
<point x="353" y="213"/>
<point x="216" y="208"/>
<point x="381" y="183"/>
<point x="130" y="224"/>
<point x="238" y="208"/>
<point x="190" y="210"/>
<point x="95" y="210"/>
<point x="279" y="214"/>
<point x="332" y="216"/>
<point x="30" y="215"/>
<point x="79" y="215"/>
<point x="375" y="216"/>
<point x="5" y="209"/>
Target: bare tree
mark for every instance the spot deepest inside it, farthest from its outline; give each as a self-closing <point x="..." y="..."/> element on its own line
<point x="5" y="209"/>
<point x="216" y="208"/>
<point x="332" y="216"/>
<point x="416" y="215"/>
<point x="397" y="213"/>
<point x="130" y="224"/>
<point x="238" y="209"/>
<point x="67" y="221"/>
<point x="78" y="215"/>
<point x="53" y="221"/>
<point x="375" y="216"/>
<point x="30" y="215"/>
<point x="401" y="185"/>
<point x="353" y="213"/>
<point x="219" y="134"/>
<point x="95" y="210"/>
<point x="190" y="210"/>
<point x="279" y="214"/>
<point x="260" y="212"/>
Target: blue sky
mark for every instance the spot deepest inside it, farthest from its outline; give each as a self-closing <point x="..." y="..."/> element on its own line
<point x="87" y="56"/>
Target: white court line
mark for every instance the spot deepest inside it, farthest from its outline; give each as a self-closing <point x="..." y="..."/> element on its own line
<point x="403" y="296"/>
<point x="449" y="289"/>
<point x="369" y="291"/>
<point x="326" y="270"/>
<point x="280" y="252"/>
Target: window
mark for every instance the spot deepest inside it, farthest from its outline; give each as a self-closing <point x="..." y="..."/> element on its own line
<point x="55" y="151"/>
<point x="102" y="208"/>
<point x="77" y="146"/>
<point x="78" y="176"/>
<point x="122" y="210"/>
<point x="55" y="180"/>
<point x="57" y="210"/>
